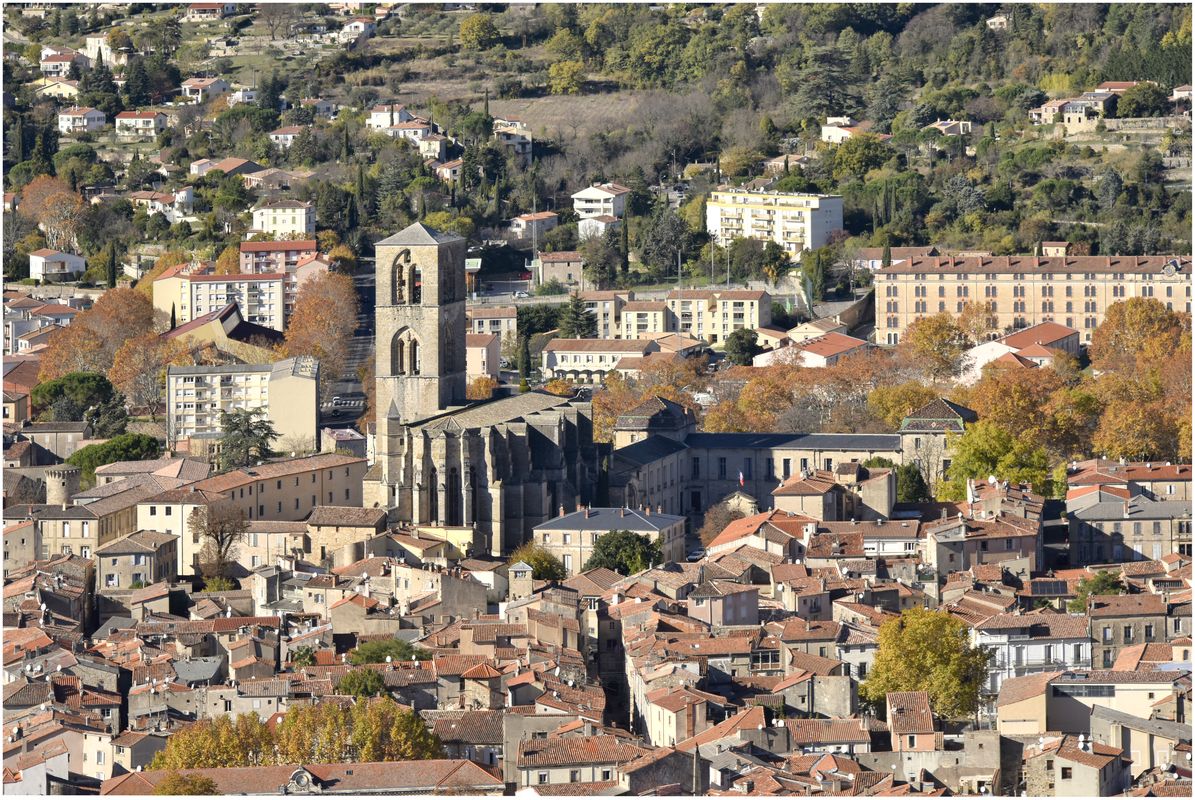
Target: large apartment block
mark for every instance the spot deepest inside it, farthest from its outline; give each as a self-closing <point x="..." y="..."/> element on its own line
<point x="287" y="391"/>
<point x="1020" y="291"/>
<point x="796" y="222"/>
<point x="299" y="259"/>
<point x="261" y="298"/>
<point x="714" y="314"/>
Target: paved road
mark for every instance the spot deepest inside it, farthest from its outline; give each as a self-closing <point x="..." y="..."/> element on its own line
<point x="348" y="385"/>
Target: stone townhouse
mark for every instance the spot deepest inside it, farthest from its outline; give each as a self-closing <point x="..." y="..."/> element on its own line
<point x="1119" y="621"/>
<point x="139" y="559"/>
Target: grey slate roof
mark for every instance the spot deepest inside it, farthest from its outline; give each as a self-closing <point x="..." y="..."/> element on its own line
<point x="1138" y="508"/>
<point x="805" y="441"/>
<point x="610" y="519"/>
<point x="199" y="670"/>
<point x="495" y="412"/>
<point x="1157" y="727"/>
<point x="938" y="415"/>
<point x="650" y="449"/>
<point x="418" y="234"/>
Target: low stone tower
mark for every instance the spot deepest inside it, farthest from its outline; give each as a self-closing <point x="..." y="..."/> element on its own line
<point x="62" y="481"/>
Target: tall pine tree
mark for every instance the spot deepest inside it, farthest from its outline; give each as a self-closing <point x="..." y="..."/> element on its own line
<point x="576" y="322"/>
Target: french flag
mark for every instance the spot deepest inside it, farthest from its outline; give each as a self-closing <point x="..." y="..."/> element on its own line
<point x="741" y="481"/>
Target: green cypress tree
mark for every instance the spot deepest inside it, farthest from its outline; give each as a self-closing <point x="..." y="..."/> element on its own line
<point x="886" y="261"/>
<point x="111" y="265"/>
<point x="626" y="245"/>
<point x="525" y="360"/>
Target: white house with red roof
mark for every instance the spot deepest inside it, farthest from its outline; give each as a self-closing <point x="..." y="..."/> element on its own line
<point x="358" y="27"/>
<point x="1035" y="346"/>
<point x="200" y="90"/>
<point x="81" y="119"/>
<point x="140" y="124"/>
<point x="387" y="115"/>
<point x="55" y="265"/>
<point x="56" y="62"/>
<point x="821" y="351"/>
<point x="601" y="199"/>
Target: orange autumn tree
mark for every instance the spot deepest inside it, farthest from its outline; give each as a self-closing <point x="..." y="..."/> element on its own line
<point x="139" y="368"/>
<point x="323" y="323"/>
<point x="481" y="388"/>
<point x="675" y="380"/>
<point x="90" y="342"/>
<point x="171" y="258"/>
<point x="52" y="204"/>
<point x="229" y="261"/>
<point x="558" y="386"/>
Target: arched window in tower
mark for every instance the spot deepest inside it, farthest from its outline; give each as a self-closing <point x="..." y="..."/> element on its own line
<point x="415" y="357"/>
<point x="398" y="277"/>
<point x="416" y="284"/>
<point x="399" y="360"/>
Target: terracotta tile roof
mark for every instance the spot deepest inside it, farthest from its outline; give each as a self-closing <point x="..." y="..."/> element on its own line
<point x="1039" y="626"/>
<point x="560" y="256"/>
<point x="1066" y="748"/>
<point x="806" y="732"/>
<point x="348" y="516"/>
<point x="274" y="469"/>
<point x="797" y="630"/>
<point x="285" y="246"/>
<point x="471" y="727"/>
<point x="813" y="663"/>
<point x="785" y="523"/>
<point x="1126" y="605"/>
<point x="435" y="776"/>
<point x="909" y="712"/>
<point x="751" y="719"/>
<point x="816" y="483"/>
<point x="572" y="750"/>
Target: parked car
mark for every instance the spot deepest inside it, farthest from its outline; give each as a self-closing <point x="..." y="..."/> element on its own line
<point x="696" y="555"/>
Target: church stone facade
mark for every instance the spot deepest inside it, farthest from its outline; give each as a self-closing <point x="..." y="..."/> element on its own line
<point x="501" y="467"/>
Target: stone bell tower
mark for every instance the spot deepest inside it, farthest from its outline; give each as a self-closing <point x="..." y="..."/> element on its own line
<point x="420" y="341"/>
<point x="420" y="323"/>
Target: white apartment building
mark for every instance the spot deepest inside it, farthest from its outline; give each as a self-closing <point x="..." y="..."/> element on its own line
<point x="287" y="391"/>
<point x="1026" y="644"/>
<point x="81" y="120"/>
<point x="261" y="298"/>
<point x="281" y="218"/>
<point x="601" y="199"/>
<point x="796" y="222"/>
<point x="713" y="315"/>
